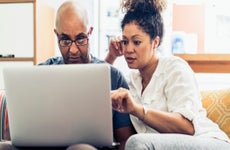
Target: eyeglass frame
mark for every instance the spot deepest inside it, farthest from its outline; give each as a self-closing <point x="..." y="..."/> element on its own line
<point x="75" y="41"/>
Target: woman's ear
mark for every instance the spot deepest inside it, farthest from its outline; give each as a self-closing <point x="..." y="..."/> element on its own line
<point x="156" y="42"/>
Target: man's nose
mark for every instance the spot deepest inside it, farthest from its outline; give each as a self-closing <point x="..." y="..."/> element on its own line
<point x="74" y="48"/>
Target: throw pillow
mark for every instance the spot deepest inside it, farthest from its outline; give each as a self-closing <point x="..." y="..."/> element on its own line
<point x="217" y="104"/>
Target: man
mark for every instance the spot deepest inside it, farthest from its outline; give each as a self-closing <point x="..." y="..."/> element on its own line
<point x="73" y="34"/>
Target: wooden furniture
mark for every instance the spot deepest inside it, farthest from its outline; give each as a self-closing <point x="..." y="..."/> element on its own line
<point x="41" y="23"/>
<point x="27" y="32"/>
<point x="208" y="63"/>
<point x="183" y="17"/>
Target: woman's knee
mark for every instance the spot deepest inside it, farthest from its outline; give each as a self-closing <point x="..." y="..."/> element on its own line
<point x="137" y="142"/>
<point x="81" y="147"/>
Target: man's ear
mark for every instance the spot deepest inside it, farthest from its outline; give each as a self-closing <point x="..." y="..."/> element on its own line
<point x="55" y="31"/>
<point x="90" y="30"/>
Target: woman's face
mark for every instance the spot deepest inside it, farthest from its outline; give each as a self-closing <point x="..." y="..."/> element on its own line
<point x="137" y="46"/>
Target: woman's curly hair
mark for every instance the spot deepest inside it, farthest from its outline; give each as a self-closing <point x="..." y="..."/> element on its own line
<point x="147" y="14"/>
<point x="158" y="5"/>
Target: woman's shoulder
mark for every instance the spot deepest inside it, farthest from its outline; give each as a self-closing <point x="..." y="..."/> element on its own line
<point x="169" y="64"/>
<point x="169" y="59"/>
<point x="172" y="61"/>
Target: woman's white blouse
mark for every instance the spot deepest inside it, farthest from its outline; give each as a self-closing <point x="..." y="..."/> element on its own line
<point x="173" y="88"/>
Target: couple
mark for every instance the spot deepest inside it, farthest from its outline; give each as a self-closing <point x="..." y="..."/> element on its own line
<point x="163" y="99"/>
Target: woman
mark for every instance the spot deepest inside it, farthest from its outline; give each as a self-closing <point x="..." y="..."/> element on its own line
<point x="163" y="101"/>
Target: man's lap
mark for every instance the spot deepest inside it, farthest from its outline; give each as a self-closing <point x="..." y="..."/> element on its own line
<point x="6" y="145"/>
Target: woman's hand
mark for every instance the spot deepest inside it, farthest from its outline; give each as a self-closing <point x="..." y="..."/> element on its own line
<point x="115" y="50"/>
<point x="122" y="101"/>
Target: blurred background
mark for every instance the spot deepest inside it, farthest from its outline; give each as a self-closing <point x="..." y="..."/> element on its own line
<point x="192" y="28"/>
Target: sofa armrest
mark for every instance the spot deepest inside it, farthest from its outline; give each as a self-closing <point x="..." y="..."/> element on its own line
<point x="4" y="124"/>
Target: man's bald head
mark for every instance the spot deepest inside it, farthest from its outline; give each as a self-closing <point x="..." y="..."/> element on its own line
<point x="71" y="11"/>
<point x="72" y="25"/>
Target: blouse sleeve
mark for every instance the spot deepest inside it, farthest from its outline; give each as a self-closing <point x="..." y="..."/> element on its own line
<point x="182" y="91"/>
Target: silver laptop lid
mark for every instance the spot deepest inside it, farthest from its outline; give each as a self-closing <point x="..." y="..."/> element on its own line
<point x="59" y="105"/>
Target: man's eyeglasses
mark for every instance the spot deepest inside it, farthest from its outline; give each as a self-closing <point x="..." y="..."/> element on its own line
<point x="81" y="40"/>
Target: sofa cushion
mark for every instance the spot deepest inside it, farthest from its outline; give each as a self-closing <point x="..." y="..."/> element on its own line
<point x="217" y="104"/>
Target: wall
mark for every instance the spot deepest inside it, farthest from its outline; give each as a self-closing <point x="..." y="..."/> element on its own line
<point x="190" y="19"/>
<point x="92" y="7"/>
<point x="45" y="36"/>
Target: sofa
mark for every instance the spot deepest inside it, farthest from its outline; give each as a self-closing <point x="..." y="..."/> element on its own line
<point x="216" y="102"/>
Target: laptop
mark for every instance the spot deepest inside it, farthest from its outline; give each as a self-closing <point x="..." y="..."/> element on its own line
<point x="59" y="105"/>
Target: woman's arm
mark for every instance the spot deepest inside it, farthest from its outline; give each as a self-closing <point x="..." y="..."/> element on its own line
<point x="164" y="122"/>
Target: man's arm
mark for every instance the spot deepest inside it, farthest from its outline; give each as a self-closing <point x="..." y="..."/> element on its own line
<point x="122" y="124"/>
